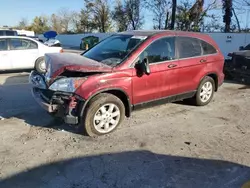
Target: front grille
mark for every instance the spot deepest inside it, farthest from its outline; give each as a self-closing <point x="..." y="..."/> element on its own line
<point x="47" y="94"/>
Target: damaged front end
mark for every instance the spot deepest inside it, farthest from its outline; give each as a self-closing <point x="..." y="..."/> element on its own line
<point x="65" y="73"/>
<point x="61" y="104"/>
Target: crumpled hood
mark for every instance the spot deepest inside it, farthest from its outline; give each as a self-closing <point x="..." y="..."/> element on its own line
<point x="56" y="63"/>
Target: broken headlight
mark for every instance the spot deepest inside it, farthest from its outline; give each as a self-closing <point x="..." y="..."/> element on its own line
<point x="67" y="84"/>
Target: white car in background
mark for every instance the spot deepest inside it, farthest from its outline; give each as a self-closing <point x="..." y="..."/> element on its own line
<point x="18" y="52"/>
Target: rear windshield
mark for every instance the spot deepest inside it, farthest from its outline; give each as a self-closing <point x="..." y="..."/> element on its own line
<point x="114" y="49"/>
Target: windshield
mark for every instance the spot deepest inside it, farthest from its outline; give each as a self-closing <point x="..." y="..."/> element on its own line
<point x="114" y="49"/>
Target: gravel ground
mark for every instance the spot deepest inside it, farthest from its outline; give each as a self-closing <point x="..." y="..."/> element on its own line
<point x="172" y="145"/>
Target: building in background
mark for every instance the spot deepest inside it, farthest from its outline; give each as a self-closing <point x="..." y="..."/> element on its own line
<point x="9" y="31"/>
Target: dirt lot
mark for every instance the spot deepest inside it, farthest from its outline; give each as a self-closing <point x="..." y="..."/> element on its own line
<point x="172" y="145"/>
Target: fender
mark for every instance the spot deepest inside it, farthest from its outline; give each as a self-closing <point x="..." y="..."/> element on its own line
<point x="127" y="110"/>
<point x="215" y="79"/>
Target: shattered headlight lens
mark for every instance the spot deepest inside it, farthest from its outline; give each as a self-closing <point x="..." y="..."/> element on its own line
<point x="67" y="84"/>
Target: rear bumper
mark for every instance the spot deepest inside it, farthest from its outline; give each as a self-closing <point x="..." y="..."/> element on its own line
<point x="44" y="104"/>
<point x="221" y="80"/>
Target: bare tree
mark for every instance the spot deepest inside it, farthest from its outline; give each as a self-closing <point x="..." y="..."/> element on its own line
<point x="246" y="2"/>
<point x="120" y="16"/>
<point x="83" y="22"/>
<point x="66" y="17"/>
<point x="55" y="23"/>
<point x="100" y="11"/>
<point x="191" y="17"/>
<point x="133" y="9"/>
<point x="40" y="24"/>
<point x="237" y="20"/>
<point x="182" y="16"/>
<point x="174" y="6"/>
<point x="227" y="9"/>
<point x="23" y="24"/>
<point x="160" y="10"/>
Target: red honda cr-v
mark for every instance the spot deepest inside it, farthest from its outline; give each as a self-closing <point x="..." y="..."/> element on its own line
<point x="98" y="88"/>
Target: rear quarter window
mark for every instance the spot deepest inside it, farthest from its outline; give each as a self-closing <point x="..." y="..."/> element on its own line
<point x="207" y="48"/>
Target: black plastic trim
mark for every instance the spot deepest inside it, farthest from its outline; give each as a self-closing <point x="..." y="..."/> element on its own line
<point x="164" y="100"/>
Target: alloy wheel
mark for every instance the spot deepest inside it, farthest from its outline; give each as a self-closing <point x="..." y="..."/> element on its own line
<point x="206" y="91"/>
<point x="106" y="118"/>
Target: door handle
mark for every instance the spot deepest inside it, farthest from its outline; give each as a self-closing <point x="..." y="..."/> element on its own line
<point x="203" y="61"/>
<point x="172" y="65"/>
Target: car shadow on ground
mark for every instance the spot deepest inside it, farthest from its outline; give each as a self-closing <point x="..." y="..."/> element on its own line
<point x="34" y="115"/>
<point x="132" y="169"/>
<point x="17" y="102"/>
<point x="245" y="87"/>
<point x="14" y="77"/>
<point x="19" y="79"/>
<point x="40" y="118"/>
<point x="15" y="71"/>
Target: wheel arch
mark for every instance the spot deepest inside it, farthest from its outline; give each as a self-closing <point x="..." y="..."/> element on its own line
<point x="121" y="94"/>
<point x="37" y="59"/>
<point x="215" y="78"/>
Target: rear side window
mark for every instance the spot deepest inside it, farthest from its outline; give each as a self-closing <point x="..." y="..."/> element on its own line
<point x="10" y="33"/>
<point x="3" y="44"/>
<point x="207" y="48"/>
<point x="189" y="47"/>
<point x="22" y="44"/>
<point x="160" y="50"/>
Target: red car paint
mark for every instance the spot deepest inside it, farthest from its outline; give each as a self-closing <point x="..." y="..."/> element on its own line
<point x="163" y="81"/>
<point x="171" y="79"/>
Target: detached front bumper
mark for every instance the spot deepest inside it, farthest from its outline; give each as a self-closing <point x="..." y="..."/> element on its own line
<point x="60" y="104"/>
<point x="36" y="93"/>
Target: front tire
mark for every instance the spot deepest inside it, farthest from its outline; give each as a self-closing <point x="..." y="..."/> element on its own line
<point x="40" y="65"/>
<point x="104" y="114"/>
<point x="205" y="91"/>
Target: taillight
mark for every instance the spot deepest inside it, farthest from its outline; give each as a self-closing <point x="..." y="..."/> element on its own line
<point x="61" y="51"/>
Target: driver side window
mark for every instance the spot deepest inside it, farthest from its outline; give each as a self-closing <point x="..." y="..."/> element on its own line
<point x="160" y="50"/>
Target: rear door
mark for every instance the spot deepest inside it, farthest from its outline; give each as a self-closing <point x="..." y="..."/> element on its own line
<point x="24" y="53"/>
<point x="211" y="53"/>
<point x="191" y="63"/>
<point x="5" y="55"/>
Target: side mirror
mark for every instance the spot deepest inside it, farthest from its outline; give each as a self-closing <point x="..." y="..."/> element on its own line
<point x="241" y="48"/>
<point x="146" y="66"/>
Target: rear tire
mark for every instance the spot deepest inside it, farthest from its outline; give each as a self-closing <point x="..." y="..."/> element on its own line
<point x="40" y="65"/>
<point x="205" y="92"/>
<point x="103" y="115"/>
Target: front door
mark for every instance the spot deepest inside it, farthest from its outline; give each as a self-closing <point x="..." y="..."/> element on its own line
<point x="5" y="58"/>
<point x="24" y="53"/>
<point x="156" y="85"/>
